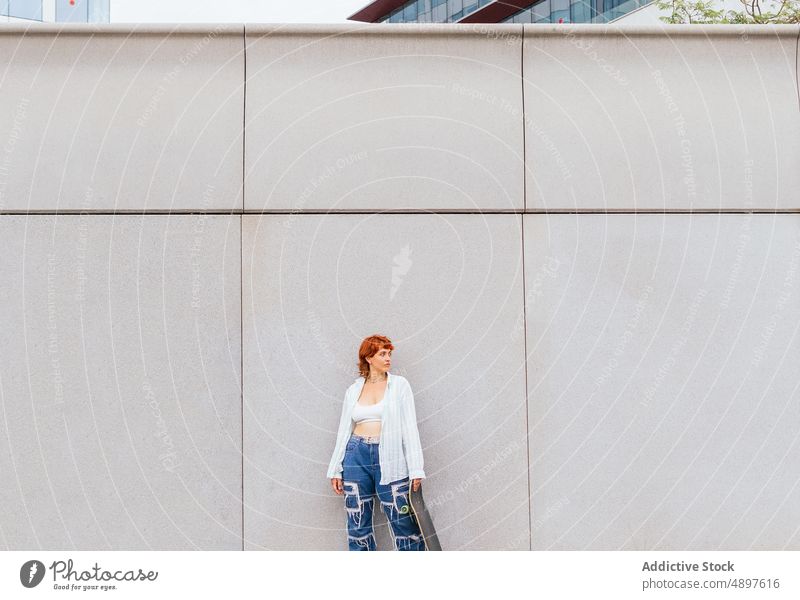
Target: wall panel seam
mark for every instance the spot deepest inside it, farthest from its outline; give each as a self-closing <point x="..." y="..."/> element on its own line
<point x="241" y="268"/>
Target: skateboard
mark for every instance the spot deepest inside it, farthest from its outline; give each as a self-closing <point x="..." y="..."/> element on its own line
<point x="416" y="502"/>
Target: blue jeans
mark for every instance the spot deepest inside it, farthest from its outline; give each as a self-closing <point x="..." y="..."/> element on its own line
<point x="361" y="476"/>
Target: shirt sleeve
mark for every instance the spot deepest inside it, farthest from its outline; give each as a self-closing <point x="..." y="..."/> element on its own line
<point x="335" y="466"/>
<point x="411" y="443"/>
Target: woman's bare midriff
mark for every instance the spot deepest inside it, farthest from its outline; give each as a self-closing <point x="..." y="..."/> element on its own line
<point x="369" y="428"/>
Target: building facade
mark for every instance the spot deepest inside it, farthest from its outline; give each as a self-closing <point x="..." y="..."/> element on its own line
<point x="54" y="11"/>
<point x="494" y="11"/>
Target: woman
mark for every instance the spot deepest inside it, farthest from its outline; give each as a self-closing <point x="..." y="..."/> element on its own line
<point x="378" y="450"/>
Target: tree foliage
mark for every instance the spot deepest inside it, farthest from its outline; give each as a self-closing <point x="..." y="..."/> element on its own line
<point x="703" y="12"/>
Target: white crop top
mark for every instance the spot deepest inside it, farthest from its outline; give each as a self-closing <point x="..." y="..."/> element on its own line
<point x="372" y="412"/>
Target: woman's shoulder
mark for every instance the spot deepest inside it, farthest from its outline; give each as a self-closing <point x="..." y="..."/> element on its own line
<point x="401" y="381"/>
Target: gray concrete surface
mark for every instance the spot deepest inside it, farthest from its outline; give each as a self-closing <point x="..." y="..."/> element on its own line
<point x="149" y="121"/>
<point x="592" y="380"/>
<point x="120" y="360"/>
<point x="454" y="311"/>
<point x="662" y="381"/>
<point x="661" y="118"/>
<point x="370" y="118"/>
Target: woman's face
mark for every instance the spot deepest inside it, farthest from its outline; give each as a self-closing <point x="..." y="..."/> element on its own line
<point x="382" y="360"/>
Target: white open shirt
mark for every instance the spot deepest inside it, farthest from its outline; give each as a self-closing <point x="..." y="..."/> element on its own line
<point x="399" y="449"/>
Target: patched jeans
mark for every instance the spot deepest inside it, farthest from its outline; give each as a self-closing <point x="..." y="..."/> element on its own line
<point x="361" y="476"/>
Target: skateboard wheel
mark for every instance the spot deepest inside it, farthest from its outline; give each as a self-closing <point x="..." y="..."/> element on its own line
<point x="404" y="509"/>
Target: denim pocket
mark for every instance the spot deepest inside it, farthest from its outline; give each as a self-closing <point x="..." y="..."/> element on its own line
<point x="350" y="498"/>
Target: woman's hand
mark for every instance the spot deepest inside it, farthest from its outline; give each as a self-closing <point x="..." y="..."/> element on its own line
<point x="415" y="484"/>
<point x="336" y="482"/>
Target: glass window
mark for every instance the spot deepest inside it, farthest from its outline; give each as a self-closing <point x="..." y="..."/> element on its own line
<point x="559" y="9"/>
<point x="541" y="12"/>
<point x="454" y="9"/>
<point x="622" y="8"/>
<point x="4" y="7"/>
<point x="25" y="9"/>
<point x="99" y="11"/>
<point x="72" y="13"/>
<point x="580" y="11"/>
<point x="396" y="16"/>
<point x="527" y="16"/>
<point x="410" y="12"/>
<point x="436" y="3"/>
<point x="472" y="7"/>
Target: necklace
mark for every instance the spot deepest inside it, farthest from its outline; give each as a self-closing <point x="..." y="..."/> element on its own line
<point x="377" y="379"/>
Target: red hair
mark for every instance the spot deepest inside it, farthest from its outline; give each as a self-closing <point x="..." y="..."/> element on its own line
<point x="369" y="348"/>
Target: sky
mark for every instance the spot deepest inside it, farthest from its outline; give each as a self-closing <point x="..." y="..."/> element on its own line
<point x="234" y="11"/>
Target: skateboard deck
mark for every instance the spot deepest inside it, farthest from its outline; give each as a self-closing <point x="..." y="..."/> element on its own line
<point x="420" y="512"/>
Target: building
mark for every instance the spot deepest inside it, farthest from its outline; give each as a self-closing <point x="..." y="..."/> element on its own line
<point x="496" y="11"/>
<point x="54" y="11"/>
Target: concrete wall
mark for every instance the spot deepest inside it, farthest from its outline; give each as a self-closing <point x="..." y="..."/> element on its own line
<point x="583" y="240"/>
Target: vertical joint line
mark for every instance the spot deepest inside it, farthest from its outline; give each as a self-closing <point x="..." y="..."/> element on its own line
<point x="524" y="292"/>
<point x="525" y="366"/>
<point x="522" y="95"/>
<point x="241" y="271"/>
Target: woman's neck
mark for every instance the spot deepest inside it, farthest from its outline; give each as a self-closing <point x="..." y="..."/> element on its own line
<point x="376" y="377"/>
